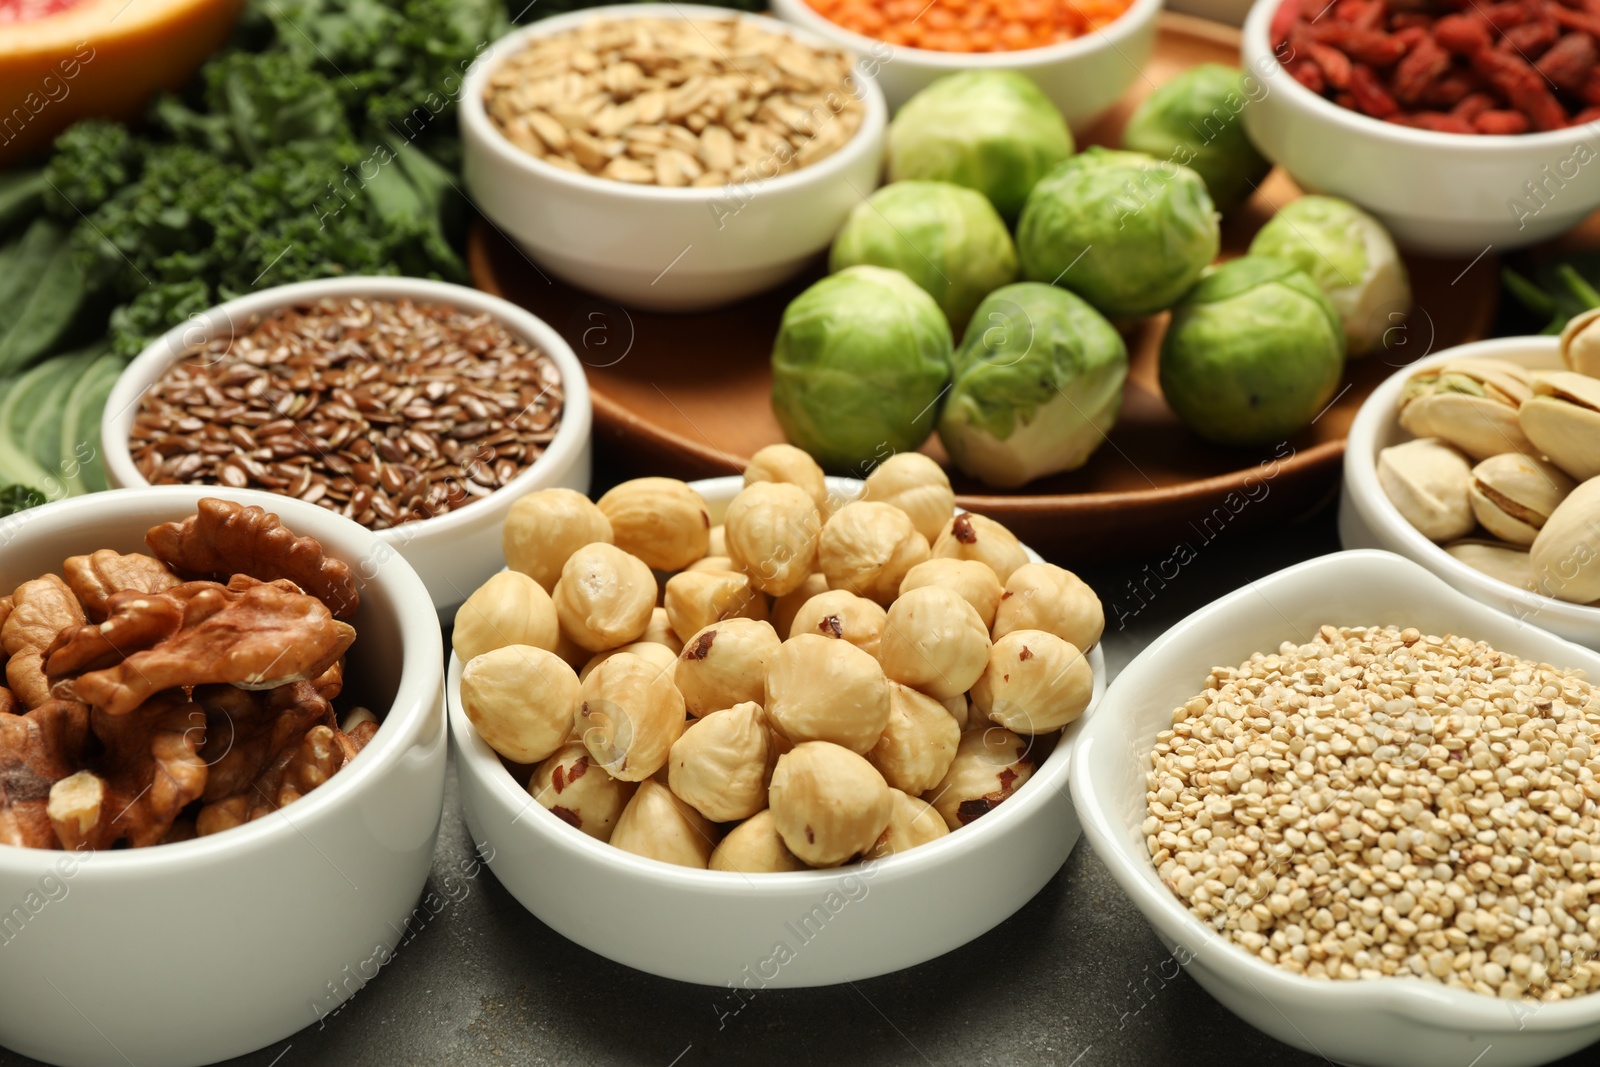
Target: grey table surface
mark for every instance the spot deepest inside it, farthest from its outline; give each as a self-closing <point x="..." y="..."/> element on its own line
<point x="1076" y="978"/>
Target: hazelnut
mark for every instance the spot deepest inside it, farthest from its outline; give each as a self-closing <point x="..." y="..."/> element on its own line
<point x="867" y="548"/>
<point x="719" y="541"/>
<point x="578" y="791"/>
<point x="696" y="599"/>
<point x="786" y="464"/>
<point x="975" y="581"/>
<point x="509" y="609"/>
<point x="754" y="847"/>
<point x="912" y="822"/>
<point x="841" y="614"/>
<point x="785" y="607"/>
<point x="574" y="654"/>
<point x="917" y="486"/>
<point x="918" y="742"/>
<point x="772" y="532"/>
<point x="719" y="765"/>
<point x="991" y="762"/>
<point x="605" y="597"/>
<point x="660" y="520"/>
<point x="629" y="715"/>
<point x="521" y="699"/>
<point x="959" y="709"/>
<point x="934" y="642"/>
<point x="659" y="631"/>
<point x="969" y="536"/>
<point x="1034" y="683"/>
<point x="819" y="689"/>
<point x="1042" y="596"/>
<point x="721" y="564"/>
<point x="828" y="803"/>
<point x="725" y="664"/>
<point x="659" y="826"/>
<point x="659" y="655"/>
<point x="543" y="529"/>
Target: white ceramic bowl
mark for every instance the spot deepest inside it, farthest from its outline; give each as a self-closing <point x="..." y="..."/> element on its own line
<point x="1083" y="77"/>
<point x="453" y="552"/>
<point x="1438" y="193"/>
<point x="208" y="949"/>
<point x="671" y="249"/>
<point x="716" y="927"/>
<point x="1388" y="1022"/>
<point x="1368" y="519"/>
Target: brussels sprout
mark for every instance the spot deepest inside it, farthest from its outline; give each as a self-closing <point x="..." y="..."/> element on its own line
<point x="1351" y="256"/>
<point x="1125" y="232"/>
<point x="990" y="130"/>
<point x="947" y="239"/>
<point x="1253" y="353"/>
<point x="1038" y="383"/>
<point x="861" y="360"/>
<point x="1194" y="120"/>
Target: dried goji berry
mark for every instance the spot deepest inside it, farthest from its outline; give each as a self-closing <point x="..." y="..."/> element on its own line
<point x="1371" y="47"/>
<point x="1408" y="38"/>
<point x="1590" y="91"/>
<point x="1366" y="14"/>
<point x="1346" y="101"/>
<point x="1501" y="122"/>
<point x="1463" y="34"/>
<point x="1410" y="20"/>
<point x="1308" y="74"/>
<point x="1283" y="21"/>
<point x="1370" y="95"/>
<point x="1509" y="13"/>
<point x="1537" y="102"/>
<point x="1436" y="121"/>
<point x="1531" y="39"/>
<point x="1472" y="105"/>
<point x="1334" y="63"/>
<point x="1582" y="21"/>
<point x="1418" y="70"/>
<point x="1585" y="117"/>
<point x="1451" y="88"/>
<point x="1569" y="62"/>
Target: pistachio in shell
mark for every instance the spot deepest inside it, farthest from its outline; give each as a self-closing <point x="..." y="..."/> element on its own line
<point x="1513" y="495"/>
<point x="1566" y="554"/>
<point x="1506" y="563"/>
<point x="1469" y="403"/>
<point x="1429" y="483"/>
<point x="1562" y="420"/>
<point x="1580" y="343"/>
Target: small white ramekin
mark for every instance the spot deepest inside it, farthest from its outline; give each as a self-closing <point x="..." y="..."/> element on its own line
<point x="454" y="552"/>
<point x="678" y="249"/>
<point x="1387" y="1022"/>
<point x="1445" y="194"/>
<point x="717" y="927"/>
<point x="1083" y="77"/>
<point x="208" y="949"/>
<point x="1368" y="519"/>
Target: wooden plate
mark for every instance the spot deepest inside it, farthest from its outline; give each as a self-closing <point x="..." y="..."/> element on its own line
<point x="688" y="395"/>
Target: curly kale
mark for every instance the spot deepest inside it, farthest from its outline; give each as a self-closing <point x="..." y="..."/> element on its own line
<point x="93" y="159"/>
<point x="155" y="310"/>
<point x="15" y="498"/>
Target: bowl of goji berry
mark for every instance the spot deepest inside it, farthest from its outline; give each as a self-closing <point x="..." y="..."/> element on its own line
<point x="1460" y="127"/>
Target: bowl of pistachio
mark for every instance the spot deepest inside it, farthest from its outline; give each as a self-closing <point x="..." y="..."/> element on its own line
<point x="1480" y="463"/>
<point x="816" y="715"/>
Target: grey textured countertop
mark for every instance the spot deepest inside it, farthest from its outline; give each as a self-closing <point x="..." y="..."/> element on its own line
<point x="1074" y="979"/>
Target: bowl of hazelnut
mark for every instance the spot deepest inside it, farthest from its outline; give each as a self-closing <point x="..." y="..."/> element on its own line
<point x="789" y="727"/>
<point x="222" y="758"/>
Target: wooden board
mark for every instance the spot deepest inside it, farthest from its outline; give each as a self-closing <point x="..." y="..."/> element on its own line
<point x="688" y="395"/>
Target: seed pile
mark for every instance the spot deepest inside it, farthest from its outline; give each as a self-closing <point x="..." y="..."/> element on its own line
<point x="1380" y="802"/>
<point x="385" y="412"/>
<point x="675" y="102"/>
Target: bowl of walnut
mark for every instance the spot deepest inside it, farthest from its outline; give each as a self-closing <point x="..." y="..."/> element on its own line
<point x="222" y="755"/>
<point x="786" y="727"/>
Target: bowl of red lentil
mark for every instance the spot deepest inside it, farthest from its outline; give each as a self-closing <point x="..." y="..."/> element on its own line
<point x="1459" y="129"/>
<point x="1362" y="810"/>
<point x="1084" y="55"/>
<point x="419" y="409"/>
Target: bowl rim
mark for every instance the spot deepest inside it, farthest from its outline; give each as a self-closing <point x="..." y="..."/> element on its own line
<point x="1429" y="1003"/>
<point x="476" y="127"/>
<point x="1361" y="479"/>
<point x="564" y="449"/>
<point x="475" y="757"/>
<point x="1258" y="56"/>
<point x="416" y="692"/>
<point x="1138" y="14"/>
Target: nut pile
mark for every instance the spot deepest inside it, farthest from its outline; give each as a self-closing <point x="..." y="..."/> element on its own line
<point x="155" y="698"/>
<point x="1382" y="802"/>
<point x="386" y="412"/>
<point x="1512" y="453"/>
<point x="814" y="683"/>
<point x="675" y="102"/>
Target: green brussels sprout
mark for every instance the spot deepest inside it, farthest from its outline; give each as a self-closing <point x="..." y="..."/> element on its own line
<point x="1194" y="120"/>
<point x="1253" y="353"/>
<point x="861" y="360"/>
<point x="946" y="238"/>
<point x="1127" y="233"/>
<point x="1351" y="256"/>
<point x="1037" y="385"/>
<point x="989" y="130"/>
